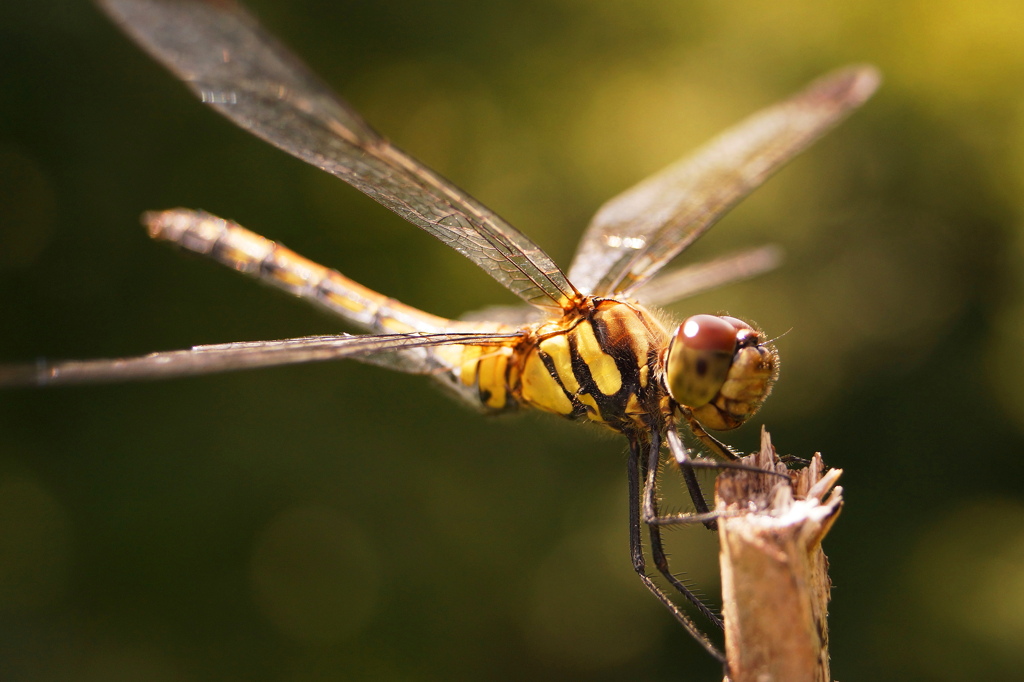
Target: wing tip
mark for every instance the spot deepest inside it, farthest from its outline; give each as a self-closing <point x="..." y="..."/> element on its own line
<point x="851" y="85"/>
<point x="768" y="257"/>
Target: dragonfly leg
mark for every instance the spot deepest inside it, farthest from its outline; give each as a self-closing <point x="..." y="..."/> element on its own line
<point x="649" y="513"/>
<point x="703" y="515"/>
<point x="716" y="446"/>
<point x="686" y="469"/>
<point x="638" y="471"/>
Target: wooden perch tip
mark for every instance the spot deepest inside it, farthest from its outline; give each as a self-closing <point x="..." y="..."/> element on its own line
<point x="775" y="584"/>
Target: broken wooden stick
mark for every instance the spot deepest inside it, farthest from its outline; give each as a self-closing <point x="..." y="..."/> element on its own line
<point x="775" y="584"/>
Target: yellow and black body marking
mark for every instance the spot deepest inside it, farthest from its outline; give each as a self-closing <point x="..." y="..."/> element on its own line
<point x="596" y="363"/>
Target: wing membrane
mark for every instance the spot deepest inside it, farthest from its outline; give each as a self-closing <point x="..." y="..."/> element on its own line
<point x="230" y="357"/>
<point x="635" y="234"/>
<point x="669" y="286"/>
<point x="227" y="59"/>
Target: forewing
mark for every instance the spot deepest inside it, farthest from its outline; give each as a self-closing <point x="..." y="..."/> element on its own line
<point x="227" y="59"/>
<point x="636" y="233"/>
<point x="228" y="357"/>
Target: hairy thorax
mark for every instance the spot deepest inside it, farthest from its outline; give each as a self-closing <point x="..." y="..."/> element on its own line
<point x="600" y="362"/>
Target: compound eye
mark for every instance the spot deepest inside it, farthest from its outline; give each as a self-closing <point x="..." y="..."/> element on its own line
<point x="699" y="358"/>
<point x="735" y="321"/>
<point x="709" y="332"/>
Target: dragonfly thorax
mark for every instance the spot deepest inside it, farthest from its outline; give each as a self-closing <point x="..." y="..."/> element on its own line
<point x="599" y="362"/>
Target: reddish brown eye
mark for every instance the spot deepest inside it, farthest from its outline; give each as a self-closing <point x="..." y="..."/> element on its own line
<point x="698" y="359"/>
<point x="709" y="333"/>
<point x="736" y="322"/>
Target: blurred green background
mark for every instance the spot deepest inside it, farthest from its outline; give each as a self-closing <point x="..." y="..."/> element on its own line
<point x="342" y="522"/>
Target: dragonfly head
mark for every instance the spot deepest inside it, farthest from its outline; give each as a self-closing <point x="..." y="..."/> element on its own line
<point x="721" y="368"/>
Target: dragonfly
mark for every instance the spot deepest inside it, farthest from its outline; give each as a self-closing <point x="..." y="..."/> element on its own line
<point x="587" y="344"/>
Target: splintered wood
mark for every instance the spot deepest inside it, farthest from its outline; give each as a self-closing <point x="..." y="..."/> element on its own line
<point x="775" y="584"/>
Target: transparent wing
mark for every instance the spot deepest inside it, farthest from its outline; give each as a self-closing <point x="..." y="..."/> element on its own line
<point x="228" y="357"/>
<point x="636" y="233"/>
<point x="667" y="287"/>
<point x="510" y="315"/>
<point x="670" y="286"/>
<point x="227" y="59"/>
